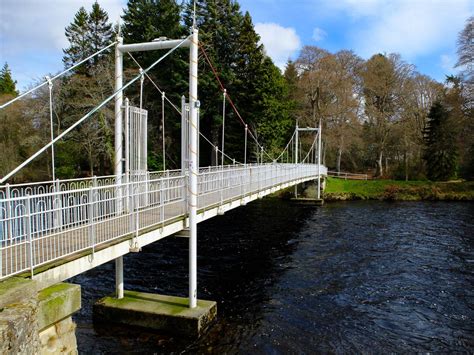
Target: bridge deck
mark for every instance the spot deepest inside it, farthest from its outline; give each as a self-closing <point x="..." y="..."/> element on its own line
<point x="46" y="228"/>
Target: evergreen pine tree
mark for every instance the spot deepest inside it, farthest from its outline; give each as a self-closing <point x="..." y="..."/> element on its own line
<point x="218" y="24"/>
<point x="77" y="35"/>
<point x="100" y="32"/>
<point x="7" y="84"/>
<point x="144" y="21"/>
<point x="440" y="141"/>
<point x="251" y="78"/>
<point x="291" y="76"/>
<point x="263" y="92"/>
<point x="88" y="33"/>
<point x="89" y="84"/>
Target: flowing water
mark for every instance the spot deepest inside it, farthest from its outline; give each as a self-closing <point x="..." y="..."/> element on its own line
<point x="366" y="277"/>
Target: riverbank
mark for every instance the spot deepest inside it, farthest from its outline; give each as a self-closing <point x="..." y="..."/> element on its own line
<point x="394" y="190"/>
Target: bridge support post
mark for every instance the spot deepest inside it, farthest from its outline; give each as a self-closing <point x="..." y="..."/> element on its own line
<point x="193" y="166"/>
<point x="319" y="160"/>
<point x="118" y="161"/>
<point x="119" y="277"/>
<point x="296" y="155"/>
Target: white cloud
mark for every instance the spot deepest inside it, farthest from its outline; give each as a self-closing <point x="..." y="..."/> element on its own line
<point x="319" y="34"/>
<point x="32" y="33"/>
<point x="280" y="42"/>
<point x="447" y="62"/>
<point x="411" y="28"/>
<point x="41" y="24"/>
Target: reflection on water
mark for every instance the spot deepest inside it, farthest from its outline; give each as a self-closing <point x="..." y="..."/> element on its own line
<point x="345" y="277"/>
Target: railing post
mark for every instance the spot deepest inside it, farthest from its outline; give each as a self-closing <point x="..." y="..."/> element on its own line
<point x="92" y="216"/>
<point x="167" y="198"/>
<point x="9" y="212"/>
<point x="222" y="185"/>
<point x="57" y="206"/>
<point x="147" y="188"/>
<point x="162" y="205"/>
<point x="242" y="172"/>
<point x="29" y="233"/>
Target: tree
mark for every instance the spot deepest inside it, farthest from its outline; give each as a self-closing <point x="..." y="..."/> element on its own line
<point x="441" y="152"/>
<point x="419" y="94"/>
<point x="254" y="83"/>
<point x="99" y="33"/>
<point x="384" y="78"/>
<point x="465" y="89"/>
<point x="466" y="50"/>
<point x="87" y="34"/>
<point x="343" y="123"/>
<point x="77" y="35"/>
<point x="144" y="21"/>
<point x="261" y="92"/>
<point x="7" y="84"/>
<point x="90" y="83"/>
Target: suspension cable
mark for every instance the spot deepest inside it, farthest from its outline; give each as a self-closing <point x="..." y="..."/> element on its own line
<point x="179" y="111"/>
<point x="216" y="75"/>
<point x="287" y="145"/>
<point x="50" y="86"/>
<point x="154" y="84"/>
<point x="310" y="149"/>
<point x="90" y="113"/>
<point x="57" y="75"/>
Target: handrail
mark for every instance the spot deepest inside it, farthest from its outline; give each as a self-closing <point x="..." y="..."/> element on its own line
<point x="346" y="175"/>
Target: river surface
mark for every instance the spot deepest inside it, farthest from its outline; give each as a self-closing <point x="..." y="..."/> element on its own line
<point x="348" y="277"/>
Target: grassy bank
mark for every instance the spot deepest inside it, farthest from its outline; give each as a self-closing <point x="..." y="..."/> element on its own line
<point x="340" y="190"/>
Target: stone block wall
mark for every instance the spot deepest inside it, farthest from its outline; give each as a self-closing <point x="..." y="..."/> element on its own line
<point x="33" y="322"/>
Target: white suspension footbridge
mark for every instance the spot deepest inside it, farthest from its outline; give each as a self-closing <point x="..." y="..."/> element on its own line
<point x="56" y="229"/>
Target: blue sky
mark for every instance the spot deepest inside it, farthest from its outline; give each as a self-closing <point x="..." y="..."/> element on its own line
<point x="424" y="32"/>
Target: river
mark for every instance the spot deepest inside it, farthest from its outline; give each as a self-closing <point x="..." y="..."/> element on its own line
<point x="348" y="277"/>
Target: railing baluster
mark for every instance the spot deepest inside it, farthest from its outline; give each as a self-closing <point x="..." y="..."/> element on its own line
<point x="29" y="233"/>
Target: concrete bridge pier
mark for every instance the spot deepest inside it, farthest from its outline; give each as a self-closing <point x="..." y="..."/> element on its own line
<point x="307" y="193"/>
<point x="169" y="314"/>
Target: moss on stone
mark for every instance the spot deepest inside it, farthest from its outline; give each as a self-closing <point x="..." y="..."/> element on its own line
<point x="58" y="302"/>
<point x="16" y="289"/>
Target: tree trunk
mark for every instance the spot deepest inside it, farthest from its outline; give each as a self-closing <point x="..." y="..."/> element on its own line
<point x="91" y="164"/>
<point x="405" y="157"/>
<point x="323" y="157"/>
<point x="380" y="164"/>
<point x="339" y="156"/>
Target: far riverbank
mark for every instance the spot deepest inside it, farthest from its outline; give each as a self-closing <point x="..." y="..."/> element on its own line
<point x="394" y="190"/>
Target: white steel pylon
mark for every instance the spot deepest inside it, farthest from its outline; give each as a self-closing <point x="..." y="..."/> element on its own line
<point x="192" y="144"/>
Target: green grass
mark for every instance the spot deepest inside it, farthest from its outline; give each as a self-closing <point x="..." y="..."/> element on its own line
<point x="339" y="189"/>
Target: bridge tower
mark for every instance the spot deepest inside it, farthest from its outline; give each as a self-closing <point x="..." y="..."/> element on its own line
<point x="191" y="146"/>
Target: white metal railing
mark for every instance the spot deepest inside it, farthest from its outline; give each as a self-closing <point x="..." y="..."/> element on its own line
<point x="43" y="222"/>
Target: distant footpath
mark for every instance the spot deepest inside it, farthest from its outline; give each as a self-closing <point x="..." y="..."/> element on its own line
<point x="393" y="190"/>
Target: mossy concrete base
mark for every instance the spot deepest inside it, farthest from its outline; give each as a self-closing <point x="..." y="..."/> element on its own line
<point x="308" y="201"/>
<point x="167" y="313"/>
